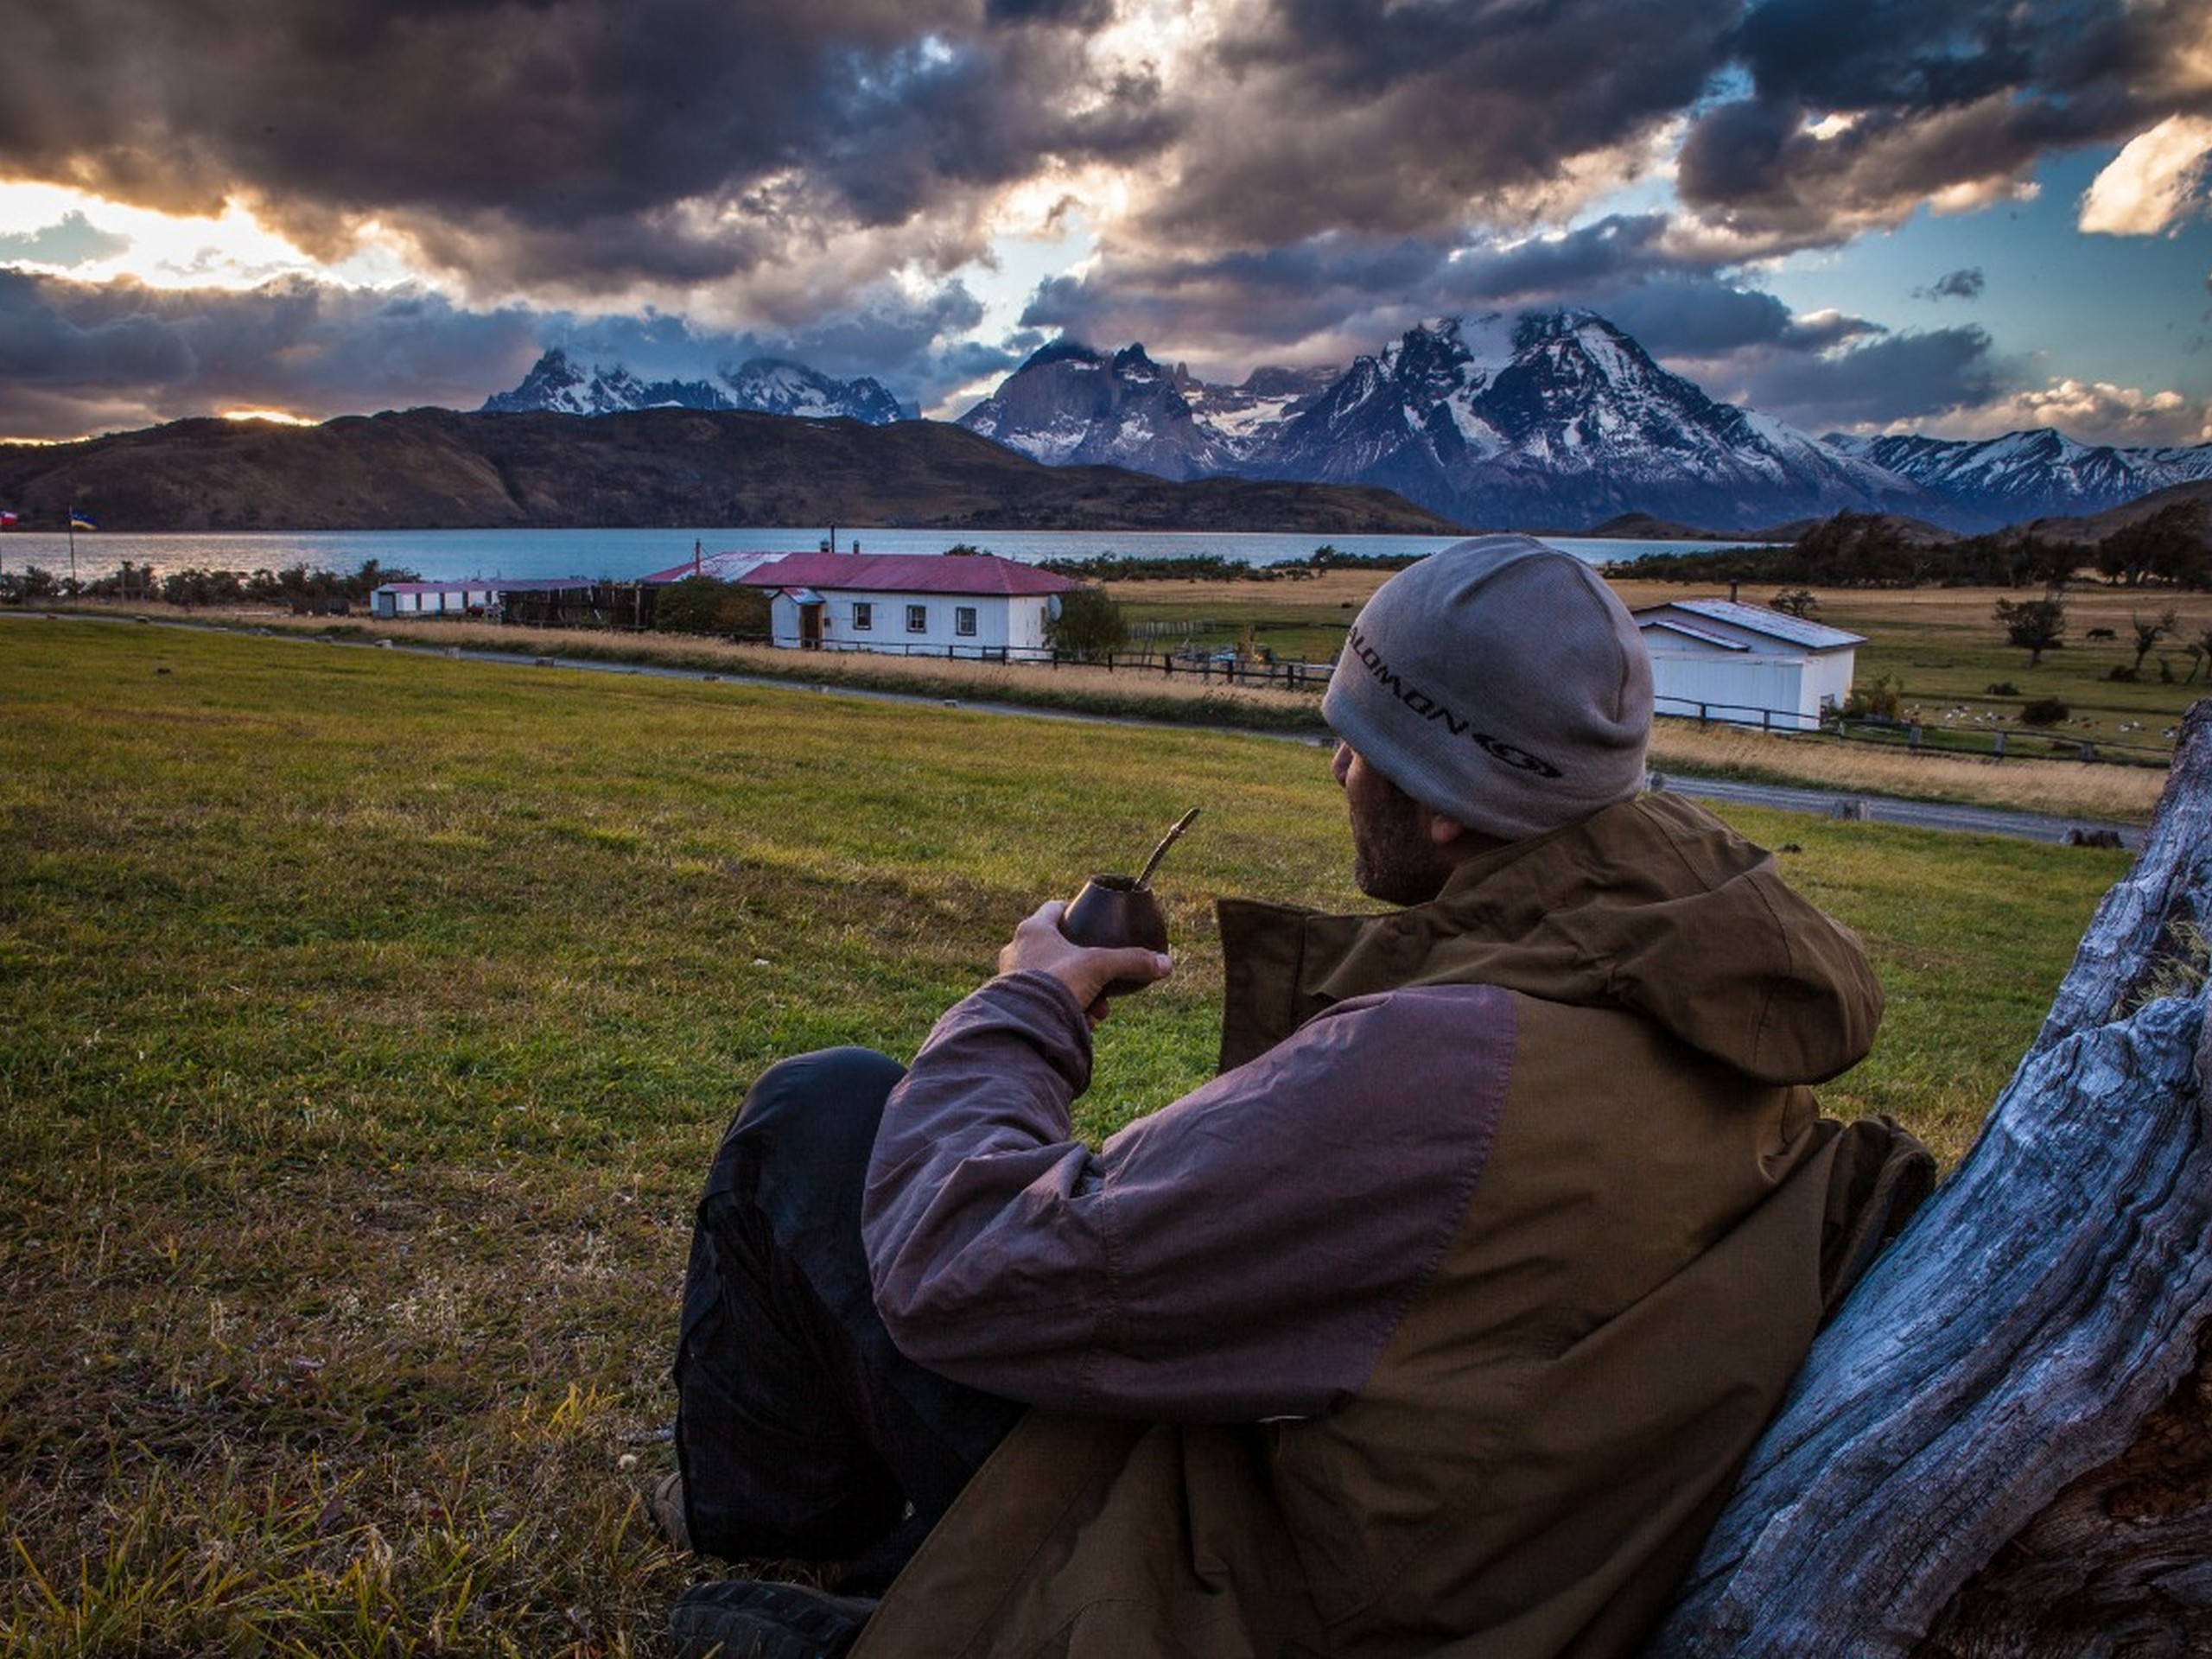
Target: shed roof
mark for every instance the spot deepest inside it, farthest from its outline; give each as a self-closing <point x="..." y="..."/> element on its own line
<point x="722" y="567"/>
<point x="1690" y="630"/>
<point x="981" y="574"/>
<point x="1756" y="618"/>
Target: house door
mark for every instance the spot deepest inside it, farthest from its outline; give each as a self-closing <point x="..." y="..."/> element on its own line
<point x="809" y="626"/>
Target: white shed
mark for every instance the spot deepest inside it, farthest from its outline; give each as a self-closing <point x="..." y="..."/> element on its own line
<point x="927" y="604"/>
<point x="478" y="596"/>
<point x="1748" y="665"/>
<point x="398" y="598"/>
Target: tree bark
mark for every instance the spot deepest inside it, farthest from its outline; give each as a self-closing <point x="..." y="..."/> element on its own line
<point x="2016" y="1384"/>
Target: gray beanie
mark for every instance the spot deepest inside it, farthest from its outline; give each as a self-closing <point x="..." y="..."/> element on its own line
<point x="1499" y="683"/>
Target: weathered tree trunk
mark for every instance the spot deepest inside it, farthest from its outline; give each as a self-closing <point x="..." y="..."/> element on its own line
<point x="2016" y="1386"/>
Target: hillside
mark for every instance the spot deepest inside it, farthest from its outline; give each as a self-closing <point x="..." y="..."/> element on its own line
<point x="436" y="469"/>
<point x="2096" y="526"/>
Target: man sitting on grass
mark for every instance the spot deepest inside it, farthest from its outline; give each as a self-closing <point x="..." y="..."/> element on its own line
<point x="1438" y="1321"/>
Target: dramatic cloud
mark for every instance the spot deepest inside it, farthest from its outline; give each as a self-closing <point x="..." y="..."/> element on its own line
<point x="2156" y="181"/>
<point x="1857" y="115"/>
<point x="2115" y="413"/>
<point x="1385" y="120"/>
<point x="602" y="141"/>
<point x="1235" y="182"/>
<point x="76" y="357"/>
<point x="1872" y="382"/>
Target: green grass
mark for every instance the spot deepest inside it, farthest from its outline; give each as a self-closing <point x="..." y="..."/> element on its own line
<point x="370" y="1019"/>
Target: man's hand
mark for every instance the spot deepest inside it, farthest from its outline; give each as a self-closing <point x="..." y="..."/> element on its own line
<point x="1039" y="946"/>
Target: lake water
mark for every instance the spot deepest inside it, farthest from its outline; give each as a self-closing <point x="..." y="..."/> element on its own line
<point x="624" y="555"/>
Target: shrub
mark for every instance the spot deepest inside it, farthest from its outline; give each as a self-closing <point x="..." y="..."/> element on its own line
<point x="1883" y="700"/>
<point x="703" y="605"/>
<point x="2002" y="688"/>
<point x="1089" y="626"/>
<point x="2043" y="711"/>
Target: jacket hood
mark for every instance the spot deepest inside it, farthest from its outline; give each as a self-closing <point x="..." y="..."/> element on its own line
<point x="1652" y="906"/>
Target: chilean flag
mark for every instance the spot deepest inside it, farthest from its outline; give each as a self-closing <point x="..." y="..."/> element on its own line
<point x="7" y="521"/>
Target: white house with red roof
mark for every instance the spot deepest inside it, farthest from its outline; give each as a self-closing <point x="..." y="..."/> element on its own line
<point x="928" y="604"/>
<point x="1746" y="664"/>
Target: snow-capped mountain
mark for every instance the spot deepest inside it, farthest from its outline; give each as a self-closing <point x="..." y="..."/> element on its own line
<point x="1549" y="420"/>
<point x="2035" y="474"/>
<point x="768" y="384"/>
<point x="1070" y="406"/>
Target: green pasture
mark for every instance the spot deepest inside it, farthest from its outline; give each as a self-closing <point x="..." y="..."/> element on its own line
<point x="367" y="1018"/>
<point x="1942" y="648"/>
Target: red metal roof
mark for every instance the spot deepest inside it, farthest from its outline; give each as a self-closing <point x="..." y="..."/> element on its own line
<point x="983" y="574"/>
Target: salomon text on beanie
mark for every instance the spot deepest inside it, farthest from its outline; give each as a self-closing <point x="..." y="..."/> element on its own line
<point x="1499" y="683"/>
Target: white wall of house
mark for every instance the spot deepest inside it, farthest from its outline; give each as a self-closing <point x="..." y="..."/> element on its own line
<point x="1781" y="690"/>
<point x="961" y="624"/>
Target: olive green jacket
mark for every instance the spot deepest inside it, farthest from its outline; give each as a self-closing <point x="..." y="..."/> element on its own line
<point x="1658" y="1222"/>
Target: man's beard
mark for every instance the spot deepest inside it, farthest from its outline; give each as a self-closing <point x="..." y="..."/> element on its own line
<point x="1393" y="858"/>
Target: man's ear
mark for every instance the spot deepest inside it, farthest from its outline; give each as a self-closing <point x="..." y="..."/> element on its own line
<point x="1442" y="831"/>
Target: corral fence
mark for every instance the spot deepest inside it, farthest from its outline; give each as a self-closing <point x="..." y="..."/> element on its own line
<point x="1222" y="667"/>
<point x="1918" y="737"/>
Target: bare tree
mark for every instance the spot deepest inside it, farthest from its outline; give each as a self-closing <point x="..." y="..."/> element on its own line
<point x="2147" y="634"/>
<point x="2034" y="625"/>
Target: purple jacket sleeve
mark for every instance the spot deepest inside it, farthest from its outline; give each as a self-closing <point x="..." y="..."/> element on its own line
<point x="1243" y="1253"/>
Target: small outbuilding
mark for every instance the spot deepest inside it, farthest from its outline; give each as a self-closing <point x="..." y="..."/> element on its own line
<point x="1746" y="664"/>
<point x="478" y="596"/>
<point x="927" y="604"/>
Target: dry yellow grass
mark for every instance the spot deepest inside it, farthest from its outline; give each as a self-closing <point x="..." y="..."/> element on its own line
<point x="2061" y="788"/>
<point x="964" y="679"/>
<point x="2065" y="788"/>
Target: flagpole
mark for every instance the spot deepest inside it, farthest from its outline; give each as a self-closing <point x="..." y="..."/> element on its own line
<point x="72" y="547"/>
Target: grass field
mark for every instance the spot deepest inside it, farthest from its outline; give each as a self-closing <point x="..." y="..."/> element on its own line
<point x="370" y="1018"/>
<point x="1942" y="645"/>
<point x="2067" y="788"/>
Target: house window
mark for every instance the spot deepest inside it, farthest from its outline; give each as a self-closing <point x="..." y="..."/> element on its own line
<point x="918" y="619"/>
<point x="963" y="621"/>
<point x="863" y="616"/>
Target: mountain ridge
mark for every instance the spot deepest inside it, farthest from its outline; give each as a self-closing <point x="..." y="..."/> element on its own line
<point x="1552" y="420"/>
<point x="1544" y="420"/>
<point x="764" y="386"/>
<point x="443" y="469"/>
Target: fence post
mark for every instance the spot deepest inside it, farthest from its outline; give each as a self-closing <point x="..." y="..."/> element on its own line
<point x="1997" y="749"/>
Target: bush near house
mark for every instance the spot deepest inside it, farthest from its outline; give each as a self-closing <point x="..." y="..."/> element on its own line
<point x="703" y="605"/>
<point x="1089" y="626"/>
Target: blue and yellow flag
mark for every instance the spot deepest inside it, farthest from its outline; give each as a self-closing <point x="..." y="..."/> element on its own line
<point x="82" y="520"/>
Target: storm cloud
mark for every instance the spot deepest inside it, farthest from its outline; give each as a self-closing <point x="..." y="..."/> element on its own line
<point x="1857" y="115"/>
<point x="1257" y="181"/>
<point x="77" y="357"/>
<point x="601" y="141"/>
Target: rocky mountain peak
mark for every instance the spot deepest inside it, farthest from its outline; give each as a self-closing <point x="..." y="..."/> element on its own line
<point x="768" y="385"/>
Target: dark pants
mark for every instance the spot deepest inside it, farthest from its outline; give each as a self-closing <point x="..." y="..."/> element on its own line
<point x="801" y="1431"/>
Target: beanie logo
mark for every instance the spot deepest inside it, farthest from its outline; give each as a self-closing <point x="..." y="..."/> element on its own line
<point x="1428" y="707"/>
